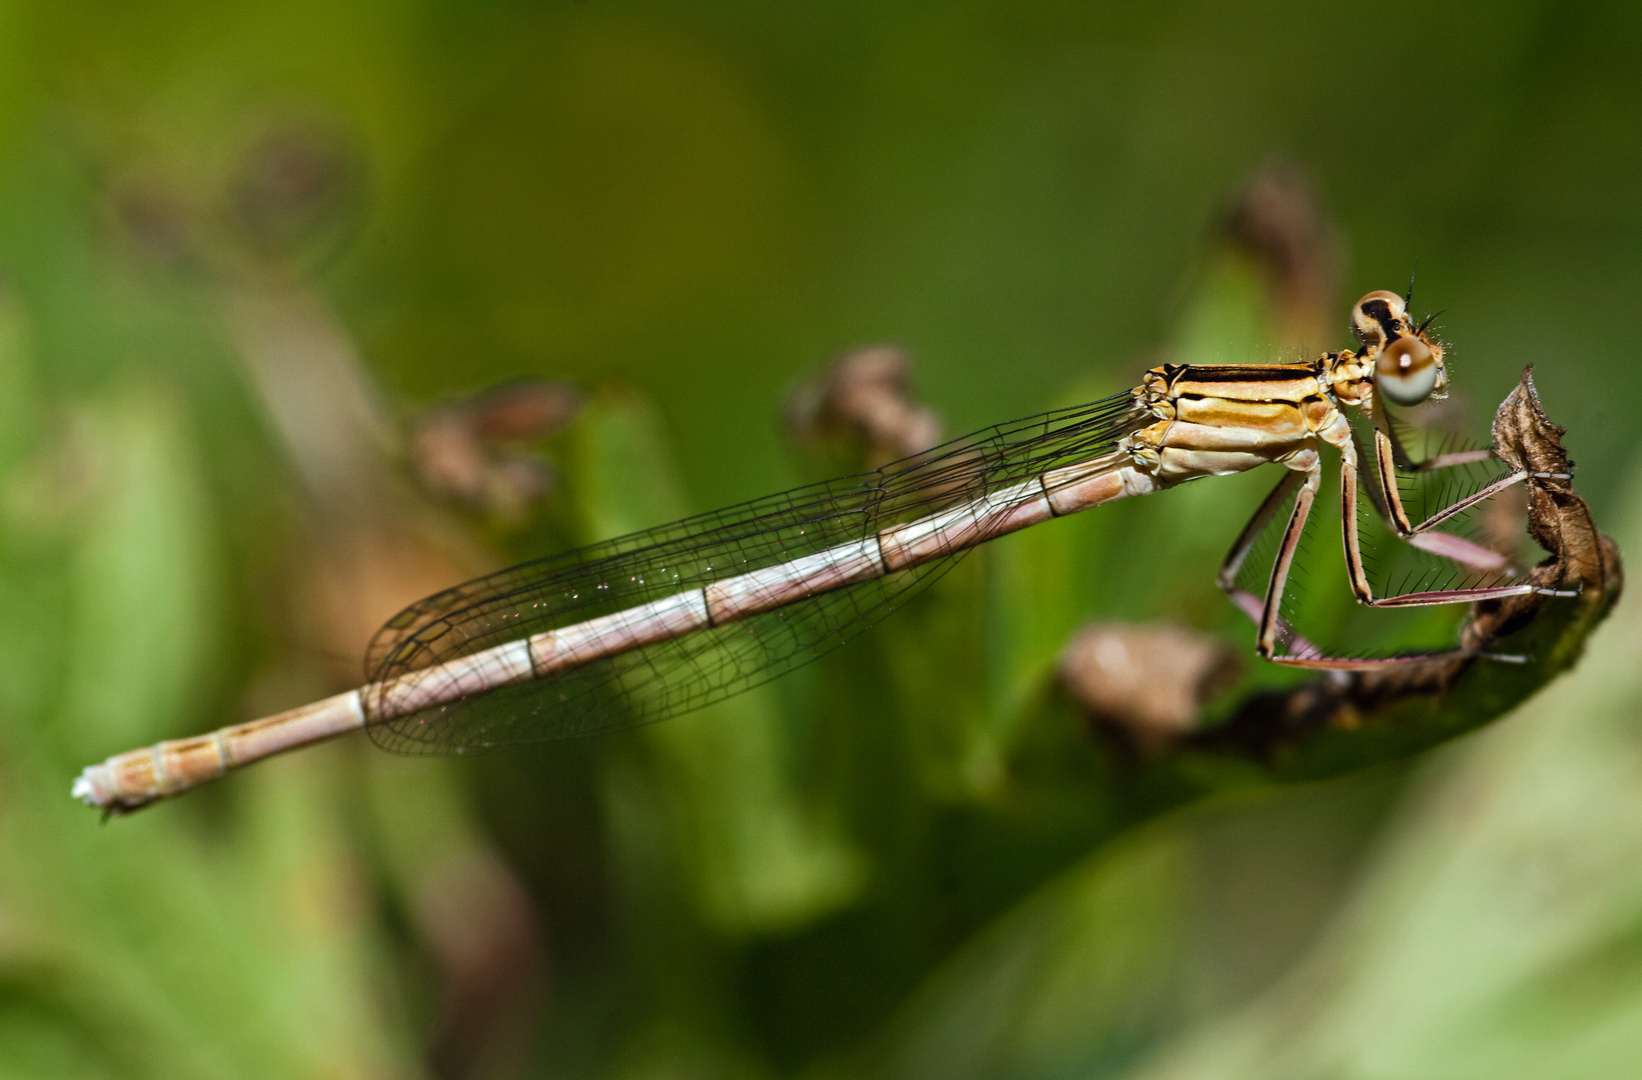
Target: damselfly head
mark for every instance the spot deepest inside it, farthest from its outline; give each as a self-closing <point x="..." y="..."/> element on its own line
<point x="1408" y="366"/>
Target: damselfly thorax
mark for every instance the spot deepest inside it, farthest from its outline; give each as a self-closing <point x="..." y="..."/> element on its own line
<point x="651" y="625"/>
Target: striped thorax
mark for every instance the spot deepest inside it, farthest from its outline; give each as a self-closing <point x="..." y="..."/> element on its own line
<point x="1211" y="420"/>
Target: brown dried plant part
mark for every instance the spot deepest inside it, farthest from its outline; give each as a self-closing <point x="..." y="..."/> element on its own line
<point x="1278" y="219"/>
<point x="1464" y="688"/>
<point x="476" y="452"/>
<point x="290" y="197"/>
<point x="299" y="183"/>
<point x="866" y="395"/>
<point x="1146" y="685"/>
<point x="150" y="214"/>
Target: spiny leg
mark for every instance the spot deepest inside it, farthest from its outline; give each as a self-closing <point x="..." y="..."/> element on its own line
<point x="1354" y="556"/>
<point x="1446" y="545"/>
<point x="1271" y="625"/>
<point x="1396" y="515"/>
<point x="1452" y="547"/>
<point x="1270" y="618"/>
<point x="1389" y="456"/>
<point x="1247" y="602"/>
<point x="1239" y="553"/>
<point x="1266" y="612"/>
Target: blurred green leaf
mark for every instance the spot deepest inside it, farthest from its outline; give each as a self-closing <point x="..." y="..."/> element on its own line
<point x="1079" y="975"/>
<point x="762" y="856"/>
<point x="143" y="555"/>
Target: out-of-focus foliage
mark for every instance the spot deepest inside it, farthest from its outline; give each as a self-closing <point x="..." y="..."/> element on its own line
<point x="241" y="247"/>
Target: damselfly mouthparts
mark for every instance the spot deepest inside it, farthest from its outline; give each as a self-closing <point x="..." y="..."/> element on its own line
<point x="655" y="624"/>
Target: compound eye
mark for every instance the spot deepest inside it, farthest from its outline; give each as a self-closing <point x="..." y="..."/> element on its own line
<point x="1406" y="371"/>
<point x="1377" y="316"/>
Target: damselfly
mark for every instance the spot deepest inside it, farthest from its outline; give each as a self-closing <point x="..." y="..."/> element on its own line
<point x="655" y="624"/>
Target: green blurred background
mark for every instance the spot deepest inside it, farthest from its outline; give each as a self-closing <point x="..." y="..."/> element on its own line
<point x="245" y="250"/>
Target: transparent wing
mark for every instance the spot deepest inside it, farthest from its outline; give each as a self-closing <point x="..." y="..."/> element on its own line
<point x="670" y="677"/>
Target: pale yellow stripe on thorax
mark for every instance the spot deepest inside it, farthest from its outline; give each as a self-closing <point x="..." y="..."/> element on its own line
<point x="1293" y="389"/>
<point x="1277" y="417"/>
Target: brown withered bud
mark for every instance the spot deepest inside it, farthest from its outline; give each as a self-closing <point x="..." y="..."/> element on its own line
<point x="476" y="451"/>
<point x="1278" y="220"/>
<point x="1146" y="684"/>
<point x="151" y="213"/>
<point x="296" y="183"/>
<point x="866" y="395"/>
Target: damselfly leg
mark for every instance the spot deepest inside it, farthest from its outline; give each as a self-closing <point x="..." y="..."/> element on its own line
<point x="1302" y="484"/>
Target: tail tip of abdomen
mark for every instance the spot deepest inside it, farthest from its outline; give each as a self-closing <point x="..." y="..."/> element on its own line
<point x="90" y="786"/>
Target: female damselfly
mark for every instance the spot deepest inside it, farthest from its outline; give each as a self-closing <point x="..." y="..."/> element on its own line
<point x="651" y="625"/>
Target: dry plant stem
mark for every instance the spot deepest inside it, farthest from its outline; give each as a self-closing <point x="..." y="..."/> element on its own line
<point x="475" y="451"/>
